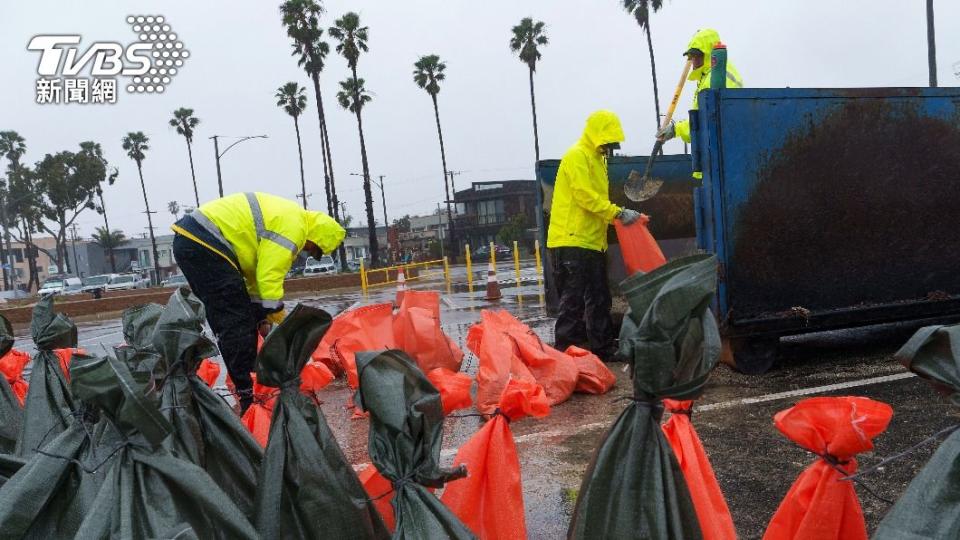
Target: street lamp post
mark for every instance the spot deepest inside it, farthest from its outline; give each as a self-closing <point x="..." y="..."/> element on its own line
<point x="383" y="198"/>
<point x="219" y="154"/>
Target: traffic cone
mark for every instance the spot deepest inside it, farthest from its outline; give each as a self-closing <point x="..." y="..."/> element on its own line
<point x="493" y="287"/>
<point x="401" y="285"/>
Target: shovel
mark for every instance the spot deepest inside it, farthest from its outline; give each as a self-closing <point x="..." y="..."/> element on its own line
<point x="641" y="188"/>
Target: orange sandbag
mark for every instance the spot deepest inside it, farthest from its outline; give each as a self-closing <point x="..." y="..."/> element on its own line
<point x="499" y="360"/>
<point x="489" y="500"/>
<point x="417" y="331"/>
<point x="555" y="371"/>
<point x="208" y="371"/>
<point x="65" y="356"/>
<point x="11" y="368"/>
<point x="716" y="523"/>
<point x="819" y="506"/>
<point x="638" y="247"/>
<point x="258" y="415"/>
<point x="314" y="377"/>
<point x="594" y="377"/>
<point x="367" y="328"/>
<point x="454" y="388"/>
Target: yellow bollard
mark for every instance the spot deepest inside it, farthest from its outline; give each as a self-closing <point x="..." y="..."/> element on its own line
<point x="466" y="249"/>
<point x="446" y="273"/>
<point x="536" y="251"/>
<point x="516" y="261"/>
<point x="363" y="278"/>
<point x="493" y="256"/>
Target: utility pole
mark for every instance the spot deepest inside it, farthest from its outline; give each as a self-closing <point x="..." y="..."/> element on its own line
<point x="73" y="245"/>
<point x="440" y="228"/>
<point x="219" y="154"/>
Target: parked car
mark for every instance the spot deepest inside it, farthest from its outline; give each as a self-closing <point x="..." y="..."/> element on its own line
<point x="125" y="282"/>
<point x="326" y="265"/>
<point x="60" y="285"/>
<point x="483" y="252"/>
<point x="94" y="283"/>
<point x="178" y="280"/>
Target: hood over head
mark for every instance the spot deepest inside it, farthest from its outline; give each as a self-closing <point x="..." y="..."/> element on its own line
<point x="323" y="231"/>
<point x="603" y="127"/>
<point x="704" y="41"/>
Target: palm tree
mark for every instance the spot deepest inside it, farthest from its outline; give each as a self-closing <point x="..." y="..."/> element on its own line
<point x="641" y="9"/>
<point x="526" y="37"/>
<point x="174" y="208"/>
<point x="184" y="120"/>
<point x="302" y="19"/>
<point x="101" y="209"/>
<point x="351" y="41"/>
<point x="291" y="98"/>
<point x="13" y="147"/>
<point x="109" y="240"/>
<point x="427" y="74"/>
<point x="135" y="143"/>
<point x="931" y="45"/>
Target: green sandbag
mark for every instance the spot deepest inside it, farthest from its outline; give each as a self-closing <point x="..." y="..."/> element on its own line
<point x="930" y="506"/>
<point x="11" y="412"/>
<point x="52" y="493"/>
<point x="206" y="431"/>
<point x="49" y="405"/>
<point x="634" y="487"/>
<point x="137" y="351"/>
<point x="406" y="432"/>
<point x="307" y="487"/>
<point x="9" y="465"/>
<point x="148" y="492"/>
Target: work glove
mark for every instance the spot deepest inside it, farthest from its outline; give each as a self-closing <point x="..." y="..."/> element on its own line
<point x="277" y="316"/>
<point x="667" y="132"/>
<point x="628" y="216"/>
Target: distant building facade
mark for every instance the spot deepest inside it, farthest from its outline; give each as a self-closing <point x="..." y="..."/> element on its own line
<point x="486" y="208"/>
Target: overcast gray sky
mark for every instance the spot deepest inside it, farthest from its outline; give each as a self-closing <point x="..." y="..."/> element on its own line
<point x="597" y="58"/>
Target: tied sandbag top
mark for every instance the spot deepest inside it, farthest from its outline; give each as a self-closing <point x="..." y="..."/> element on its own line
<point x="6" y="336"/>
<point x="51" y="330"/>
<point x="928" y="507"/>
<point x="406" y="433"/>
<point x="138" y="323"/>
<point x="177" y="335"/>
<point x="288" y="348"/>
<point x="671" y="336"/>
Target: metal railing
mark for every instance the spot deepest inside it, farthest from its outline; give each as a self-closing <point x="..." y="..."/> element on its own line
<point x="425" y="270"/>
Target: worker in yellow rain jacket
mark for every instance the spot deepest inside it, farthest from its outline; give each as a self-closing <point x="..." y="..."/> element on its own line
<point x="577" y="237"/>
<point x="698" y="52"/>
<point x="235" y="253"/>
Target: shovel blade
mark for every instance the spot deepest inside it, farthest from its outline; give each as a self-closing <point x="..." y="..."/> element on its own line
<point x="641" y="188"/>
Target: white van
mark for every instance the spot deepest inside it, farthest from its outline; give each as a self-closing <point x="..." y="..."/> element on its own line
<point x="60" y="285"/>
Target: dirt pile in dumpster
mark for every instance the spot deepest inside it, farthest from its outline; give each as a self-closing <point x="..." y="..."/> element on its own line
<point x="851" y="210"/>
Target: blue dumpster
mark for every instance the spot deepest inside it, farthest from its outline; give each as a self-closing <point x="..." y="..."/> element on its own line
<point x="828" y="208"/>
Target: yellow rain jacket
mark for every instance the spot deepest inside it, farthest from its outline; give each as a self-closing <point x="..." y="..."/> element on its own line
<point x="581" y="208"/>
<point x="261" y="235"/>
<point x="704" y="41"/>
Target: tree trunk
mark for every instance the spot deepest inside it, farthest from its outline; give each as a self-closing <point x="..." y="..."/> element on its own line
<point x="34" y="281"/>
<point x="303" y="182"/>
<point x="931" y="45"/>
<point x="653" y="73"/>
<point x="367" y="192"/>
<point x="193" y="174"/>
<point x="333" y="203"/>
<point x="106" y="227"/>
<point x="533" y="106"/>
<point x="446" y="186"/>
<point x="4" y="247"/>
<point x="155" y="276"/>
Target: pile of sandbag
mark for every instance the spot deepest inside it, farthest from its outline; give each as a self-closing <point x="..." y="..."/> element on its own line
<point x="508" y="349"/>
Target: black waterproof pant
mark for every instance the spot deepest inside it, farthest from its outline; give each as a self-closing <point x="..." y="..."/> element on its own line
<point x="233" y="317"/>
<point x="584" y="319"/>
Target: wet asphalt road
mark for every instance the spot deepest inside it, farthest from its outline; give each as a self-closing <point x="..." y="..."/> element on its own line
<point x="755" y="465"/>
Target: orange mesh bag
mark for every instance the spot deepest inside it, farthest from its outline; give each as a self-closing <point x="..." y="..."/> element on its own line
<point x="11" y="367"/>
<point x="593" y="376"/>
<point x="454" y="388"/>
<point x="819" y="506"/>
<point x="208" y="371"/>
<point x="258" y="415"/>
<point x="716" y="523"/>
<point x="489" y="500"/>
<point x="499" y="361"/>
<point x="638" y="247"/>
<point x="417" y="332"/>
<point x="367" y="328"/>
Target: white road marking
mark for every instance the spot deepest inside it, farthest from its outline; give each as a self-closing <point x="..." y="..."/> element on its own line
<point x="449" y="302"/>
